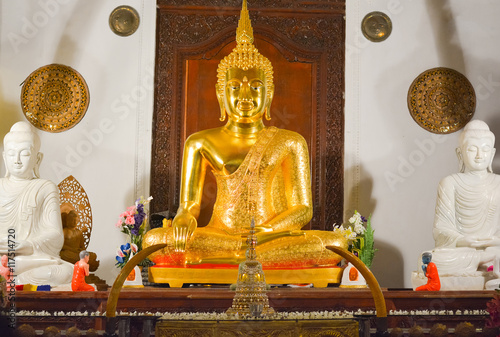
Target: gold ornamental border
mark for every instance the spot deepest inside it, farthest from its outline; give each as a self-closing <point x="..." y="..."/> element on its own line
<point x="441" y="100"/>
<point x="54" y="98"/>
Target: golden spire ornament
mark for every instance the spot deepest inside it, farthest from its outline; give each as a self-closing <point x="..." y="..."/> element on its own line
<point x="244" y="32"/>
<point x="251" y="298"/>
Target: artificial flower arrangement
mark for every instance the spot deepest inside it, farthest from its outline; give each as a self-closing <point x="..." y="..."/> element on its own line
<point x="133" y="223"/>
<point x="124" y="253"/>
<point x="359" y="233"/>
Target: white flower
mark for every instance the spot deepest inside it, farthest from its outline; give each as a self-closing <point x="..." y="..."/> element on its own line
<point x="346" y="232"/>
<point x="359" y="228"/>
<point x="357" y="223"/>
<point x="356" y="219"/>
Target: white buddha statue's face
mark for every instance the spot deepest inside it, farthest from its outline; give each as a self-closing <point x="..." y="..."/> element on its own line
<point x="477" y="153"/>
<point x="20" y="159"/>
<point x="21" y="155"/>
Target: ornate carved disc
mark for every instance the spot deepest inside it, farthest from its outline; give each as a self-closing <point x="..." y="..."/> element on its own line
<point x="376" y="26"/>
<point x="54" y="98"/>
<point x="73" y="197"/>
<point x="441" y="100"/>
<point x="124" y="20"/>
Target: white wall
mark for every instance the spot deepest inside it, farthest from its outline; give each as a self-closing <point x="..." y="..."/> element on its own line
<point x="108" y="152"/>
<point x="393" y="166"/>
<point x="113" y="167"/>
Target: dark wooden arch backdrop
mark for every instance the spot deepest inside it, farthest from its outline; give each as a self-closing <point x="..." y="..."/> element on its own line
<point x="305" y="42"/>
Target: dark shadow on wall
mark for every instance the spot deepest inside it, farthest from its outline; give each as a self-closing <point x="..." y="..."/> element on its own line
<point x="67" y="51"/>
<point x="388" y="265"/>
<point x="360" y="194"/>
<point x="486" y="86"/>
<point x="446" y="41"/>
<point x="494" y="124"/>
<point x="10" y="113"/>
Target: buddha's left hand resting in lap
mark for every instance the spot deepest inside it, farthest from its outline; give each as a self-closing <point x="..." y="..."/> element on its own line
<point x="30" y="218"/>
<point x="261" y="173"/>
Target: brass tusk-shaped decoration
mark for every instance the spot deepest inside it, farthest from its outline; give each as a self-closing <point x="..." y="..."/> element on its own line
<point x="377" y="294"/>
<point x="120" y="279"/>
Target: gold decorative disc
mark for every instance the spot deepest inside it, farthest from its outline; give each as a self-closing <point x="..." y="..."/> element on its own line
<point x="74" y="198"/>
<point x="124" y="20"/>
<point x="54" y="98"/>
<point x="376" y="26"/>
<point x="441" y="100"/>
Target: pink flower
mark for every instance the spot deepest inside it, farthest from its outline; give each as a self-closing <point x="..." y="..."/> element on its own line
<point x="124" y="215"/>
<point x="130" y="220"/>
<point x="120" y="253"/>
<point x="119" y="223"/>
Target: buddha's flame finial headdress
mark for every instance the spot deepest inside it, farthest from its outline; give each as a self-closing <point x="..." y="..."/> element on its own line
<point x="244" y="32"/>
<point x="245" y="56"/>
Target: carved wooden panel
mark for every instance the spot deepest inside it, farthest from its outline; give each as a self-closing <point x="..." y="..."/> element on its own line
<point x="304" y="41"/>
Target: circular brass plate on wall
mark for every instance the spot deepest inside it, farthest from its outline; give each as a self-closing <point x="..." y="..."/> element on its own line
<point x="441" y="100"/>
<point x="54" y="98"/>
<point x="376" y="26"/>
<point x="124" y="20"/>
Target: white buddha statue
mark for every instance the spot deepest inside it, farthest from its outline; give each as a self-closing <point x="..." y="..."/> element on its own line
<point x="30" y="216"/>
<point x="466" y="224"/>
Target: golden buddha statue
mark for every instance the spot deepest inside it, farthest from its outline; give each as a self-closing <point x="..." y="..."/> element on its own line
<point x="261" y="173"/>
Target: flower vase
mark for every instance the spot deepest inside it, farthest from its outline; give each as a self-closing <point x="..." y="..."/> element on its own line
<point x="134" y="278"/>
<point x="352" y="278"/>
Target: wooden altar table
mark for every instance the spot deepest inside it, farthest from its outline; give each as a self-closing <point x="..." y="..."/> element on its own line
<point x="405" y="307"/>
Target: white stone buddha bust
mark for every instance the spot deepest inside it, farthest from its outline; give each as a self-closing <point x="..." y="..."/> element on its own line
<point x="30" y="213"/>
<point x="466" y="224"/>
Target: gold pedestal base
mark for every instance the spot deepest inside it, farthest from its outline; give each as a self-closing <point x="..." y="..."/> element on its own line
<point x="176" y="277"/>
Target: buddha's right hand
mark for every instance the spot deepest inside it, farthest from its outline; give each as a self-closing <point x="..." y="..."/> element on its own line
<point x="183" y="227"/>
<point x="468" y="241"/>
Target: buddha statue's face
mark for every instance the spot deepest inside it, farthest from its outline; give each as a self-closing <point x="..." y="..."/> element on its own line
<point x="70" y="219"/>
<point x="477" y="153"/>
<point x="245" y="95"/>
<point x="20" y="159"/>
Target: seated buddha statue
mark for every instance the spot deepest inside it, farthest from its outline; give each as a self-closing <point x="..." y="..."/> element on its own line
<point x="261" y="172"/>
<point x="466" y="224"/>
<point x="74" y="241"/>
<point x="30" y="218"/>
